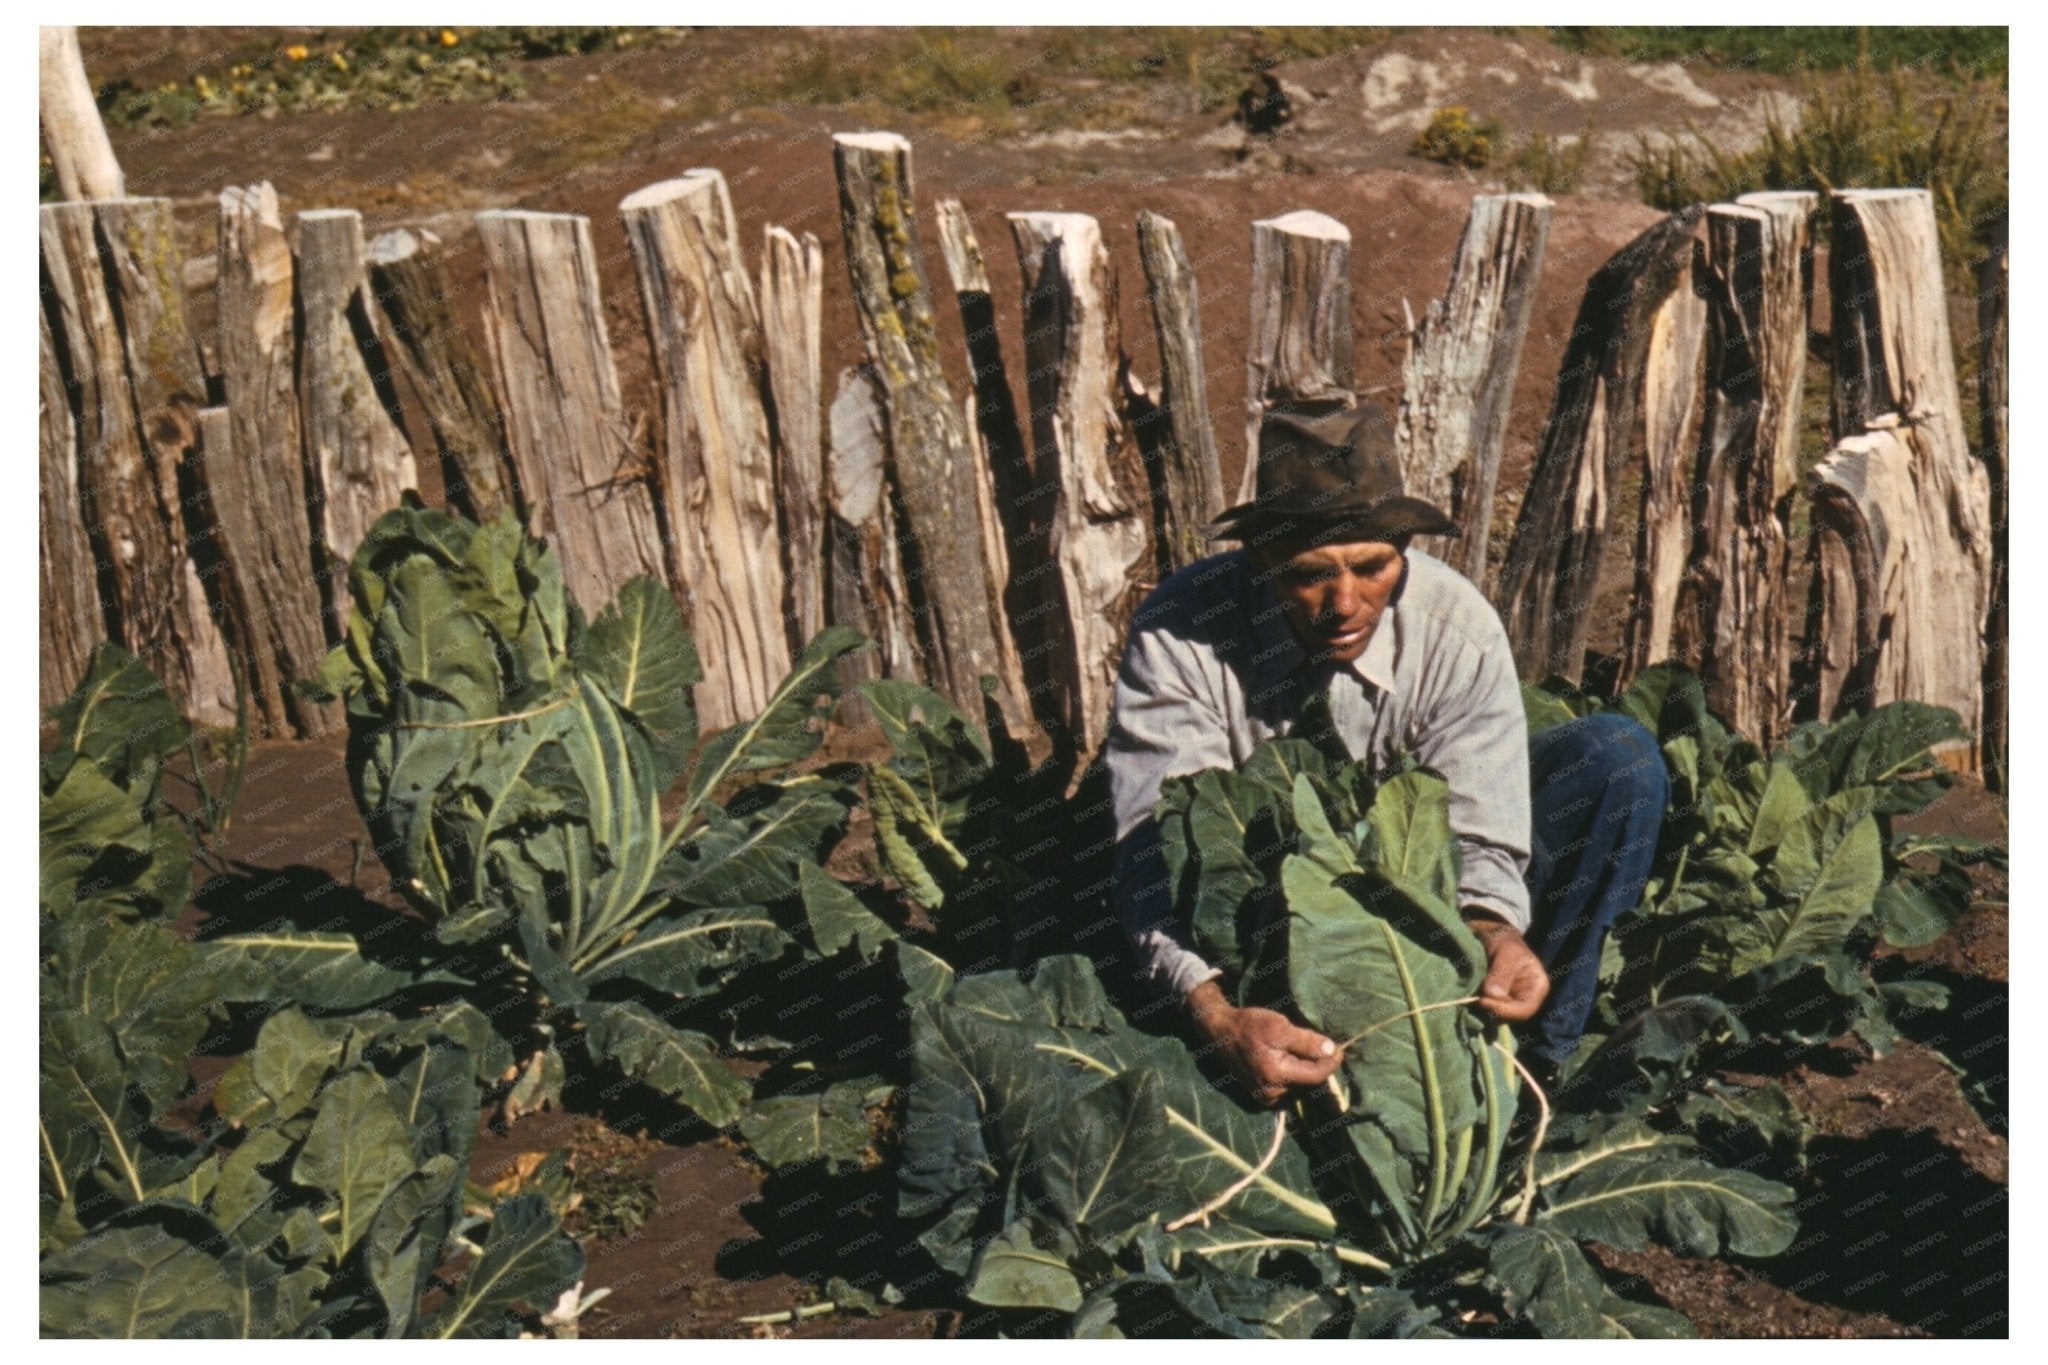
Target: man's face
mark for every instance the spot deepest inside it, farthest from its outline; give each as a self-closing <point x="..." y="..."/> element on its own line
<point x="1332" y="596"/>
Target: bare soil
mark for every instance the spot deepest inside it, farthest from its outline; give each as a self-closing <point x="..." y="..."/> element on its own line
<point x="722" y="1241"/>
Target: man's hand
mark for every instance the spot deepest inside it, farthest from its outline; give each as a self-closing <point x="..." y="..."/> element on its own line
<point x="1516" y="983"/>
<point x="1263" y="1047"/>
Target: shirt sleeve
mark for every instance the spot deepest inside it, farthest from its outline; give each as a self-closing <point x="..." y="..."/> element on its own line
<point x="1161" y="726"/>
<point x="1478" y="737"/>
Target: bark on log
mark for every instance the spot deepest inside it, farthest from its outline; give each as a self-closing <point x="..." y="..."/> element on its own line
<point x="72" y="129"/>
<point x="1902" y="510"/>
<point x="1547" y="585"/>
<point x="452" y="382"/>
<point x="1459" y="375"/>
<point x="585" y="484"/>
<point x="256" y="487"/>
<point x="928" y="450"/>
<point x="867" y="586"/>
<point x="1189" y="483"/>
<point x="1737" y="621"/>
<point x="1014" y="499"/>
<point x="1300" y="341"/>
<point x="716" y="472"/>
<point x="1671" y="410"/>
<point x="1992" y="275"/>
<point x="132" y="381"/>
<point x="792" y="304"/>
<point x="1102" y="525"/>
<point x="72" y="619"/>
<point x="355" y="438"/>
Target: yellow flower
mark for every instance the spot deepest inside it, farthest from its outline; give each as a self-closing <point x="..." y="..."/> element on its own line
<point x="340" y="62"/>
<point x="449" y="38"/>
<point x="297" y="52"/>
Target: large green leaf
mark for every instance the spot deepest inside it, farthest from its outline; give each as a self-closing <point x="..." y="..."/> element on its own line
<point x="86" y="1115"/>
<point x="121" y="718"/>
<point x="1379" y="959"/>
<point x="792" y="1129"/>
<point x="164" y="1273"/>
<point x="693" y="954"/>
<point x="1625" y="1319"/>
<point x="789" y="727"/>
<point x="1014" y="1271"/>
<point x="148" y="987"/>
<point x="677" y="1062"/>
<point x="1827" y="870"/>
<point x="752" y="857"/>
<point x="837" y="917"/>
<point x="1629" y="1197"/>
<point x="316" y="969"/>
<point x="527" y="1262"/>
<point x="1890" y="748"/>
<point x="357" y="1151"/>
<point x="102" y="853"/>
<point x="1543" y="1276"/>
<point x="640" y="650"/>
<point x="404" y="1244"/>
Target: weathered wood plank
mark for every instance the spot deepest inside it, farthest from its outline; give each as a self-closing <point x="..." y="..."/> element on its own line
<point x="1671" y="411"/>
<point x="1189" y="486"/>
<point x="433" y="350"/>
<point x="1459" y="374"/>
<point x="1736" y="624"/>
<point x="1014" y="499"/>
<point x="792" y="310"/>
<point x="1102" y="526"/>
<point x="72" y="129"/>
<point x="72" y="619"/>
<point x="1992" y="281"/>
<point x="256" y="486"/>
<point x="1902" y="509"/>
<point x="716" y="473"/>
<point x="1547" y="585"/>
<point x="928" y="450"/>
<point x="131" y="382"/>
<point x="585" y="485"/>
<point x="867" y="586"/>
<point x="355" y="438"/>
<point x="1299" y="345"/>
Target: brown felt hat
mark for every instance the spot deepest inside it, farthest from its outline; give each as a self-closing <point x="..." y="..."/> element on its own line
<point x="1328" y="472"/>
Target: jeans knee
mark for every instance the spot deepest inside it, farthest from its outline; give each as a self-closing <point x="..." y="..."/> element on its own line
<point x="1634" y="765"/>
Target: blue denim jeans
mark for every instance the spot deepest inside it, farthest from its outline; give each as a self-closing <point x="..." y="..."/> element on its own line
<point x="1597" y="793"/>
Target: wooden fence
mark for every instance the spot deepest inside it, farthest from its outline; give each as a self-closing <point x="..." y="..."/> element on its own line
<point x="203" y="520"/>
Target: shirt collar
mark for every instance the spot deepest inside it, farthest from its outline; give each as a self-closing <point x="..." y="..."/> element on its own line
<point x="1278" y="652"/>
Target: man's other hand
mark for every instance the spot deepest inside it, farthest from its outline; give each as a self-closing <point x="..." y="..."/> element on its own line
<point x="1265" y="1049"/>
<point x="1516" y="983"/>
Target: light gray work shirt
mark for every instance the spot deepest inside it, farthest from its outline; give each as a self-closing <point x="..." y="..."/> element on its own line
<point x="1211" y="669"/>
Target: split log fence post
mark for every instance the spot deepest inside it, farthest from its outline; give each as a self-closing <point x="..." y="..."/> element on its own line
<point x="792" y="311"/>
<point x="1902" y="511"/>
<point x="958" y="611"/>
<point x="716" y="472"/>
<point x="256" y="485"/>
<point x="1102" y="524"/>
<point x="868" y="590"/>
<point x="72" y="618"/>
<point x="120" y="342"/>
<point x="1300" y="340"/>
<point x="583" y="480"/>
<point x="1671" y="426"/>
<point x="1015" y="498"/>
<point x="1189" y="489"/>
<point x="72" y="129"/>
<point x="1458" y="379"/>
<point x="1992" y="275"/>
<point x="1737" y="623"/>
<point x="453" y="386"/>
<point x="1546" y="587"/>
<point x="355" y="439"/>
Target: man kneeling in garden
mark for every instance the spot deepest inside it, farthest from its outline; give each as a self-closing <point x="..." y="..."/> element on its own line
<point x="1327" y="599"/>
